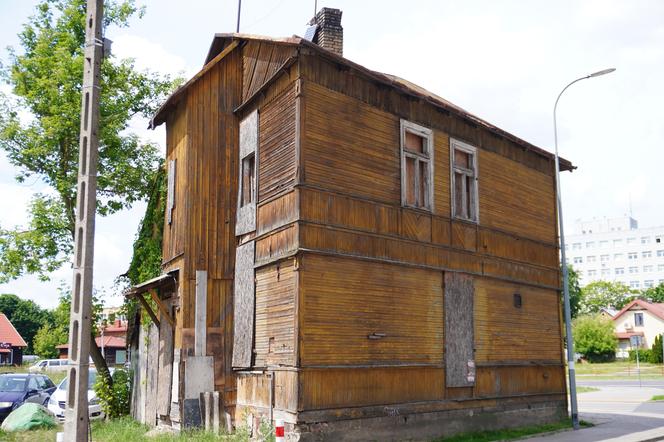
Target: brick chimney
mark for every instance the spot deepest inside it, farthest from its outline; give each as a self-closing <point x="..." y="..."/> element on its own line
<point x="329" y="33"/>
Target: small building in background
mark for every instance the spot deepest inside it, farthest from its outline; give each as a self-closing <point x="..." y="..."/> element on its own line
<point x="11" y="343"/>
<point x="111" y="341"/>
<point x="639" y="320"/>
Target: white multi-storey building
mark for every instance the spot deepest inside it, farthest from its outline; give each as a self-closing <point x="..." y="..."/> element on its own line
<point x="617" y="250"/>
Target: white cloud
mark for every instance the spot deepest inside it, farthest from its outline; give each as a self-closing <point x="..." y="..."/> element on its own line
<point x="149" y="55"/>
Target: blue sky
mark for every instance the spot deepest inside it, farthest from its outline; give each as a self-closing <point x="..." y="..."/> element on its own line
<point x="505" y="61"/>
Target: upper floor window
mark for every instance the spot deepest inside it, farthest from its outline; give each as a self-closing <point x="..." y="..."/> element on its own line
<point x="631" y="240"/>
<point x="576" y="246"/>
<point x="591" y="258"/>
<point x="638" y="319"/>
<point x="632" y="255"/>
<point x="604" y="243"/>
<point x="645" y="240"/>
<point x="604" y="258"/>
<point x="590" y="244"/>
<point x="617" y="242"/>
<point x="646" y="254"/>
<point x="465" y="203"/>
<point x="416" y="165"/>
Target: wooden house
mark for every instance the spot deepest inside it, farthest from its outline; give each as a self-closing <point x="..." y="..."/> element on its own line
<point x="348" y="252"/>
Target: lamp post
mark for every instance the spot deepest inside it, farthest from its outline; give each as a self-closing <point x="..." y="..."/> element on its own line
<point x="568" y="314"/>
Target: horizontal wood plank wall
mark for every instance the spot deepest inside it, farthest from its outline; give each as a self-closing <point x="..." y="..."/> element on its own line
<point x="349" y="146"/>
<point x="260" y="61"/>
<point x="337" y="241"/>
<point x="277" y="213"/>
<point x="504" y="332"/>
<point x="515" y="198"/>
<point x="274" y="340"/>
<point x="276" y="245"/>
<point x="357" y="387"/>
<point x="344" y="301"/>
<point x="173" y="244"/>
<point x="276" y="151"/>
<point x="516" y="380"/>
<point x="354" y="84"/>
<point x="339" y="210"/>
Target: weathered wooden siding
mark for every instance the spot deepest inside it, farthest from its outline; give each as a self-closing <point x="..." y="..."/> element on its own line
<point x="174" y="239"/>
<point x="260" y="61"/>
<point x="277" y="157"/>
<point x="356" y="387"/>
<point x="275" y="341"/>
<point x="516" y="199"/>
<point x="351" y="145"/>
<point x="505" y="333"/>
<point x="345" y="301"/>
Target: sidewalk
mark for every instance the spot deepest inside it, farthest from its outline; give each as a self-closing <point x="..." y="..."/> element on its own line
<point x="619" y="414"/>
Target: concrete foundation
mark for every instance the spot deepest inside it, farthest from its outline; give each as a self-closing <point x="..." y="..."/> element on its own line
<point x="428" y="426"/>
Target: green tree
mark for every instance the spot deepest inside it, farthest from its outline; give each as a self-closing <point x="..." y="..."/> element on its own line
<point x="594" y="338"/>
<point x="46" y="76"/>
<point x="575" y="293"/>
<point x="656" y="351"/>
<point x="26" y="316"/>
<point x="654" y="294"/>
<point x="47" y="338"/>
<point x="56" y="331"/>
<point x="600" y="294"/>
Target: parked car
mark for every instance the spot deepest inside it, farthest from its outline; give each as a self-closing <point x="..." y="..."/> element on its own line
<point x="49" y="365"/>
<point x="19" y="388"/>
<point x="57" y="402"/>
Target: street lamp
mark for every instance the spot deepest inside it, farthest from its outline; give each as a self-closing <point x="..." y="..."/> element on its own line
<point x="568" y="314"/>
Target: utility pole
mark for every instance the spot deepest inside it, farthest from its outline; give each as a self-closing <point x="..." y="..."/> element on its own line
<point x="76" y="412"/>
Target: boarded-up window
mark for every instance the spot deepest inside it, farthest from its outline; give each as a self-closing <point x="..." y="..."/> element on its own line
<point x="416" y="165"/>
<point x="244" y="305"/>
<point x="170" y="194"/>
<point x="459" y="333"/>
<point x="464" y="181"/>
<point x="245" y="221"/>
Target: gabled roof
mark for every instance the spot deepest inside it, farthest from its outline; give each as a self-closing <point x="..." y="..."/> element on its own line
<point x="225" y="42"/>
<point x="107" y="342"/>
<point x="9" y="334"/>
<point x="656" y="309"/>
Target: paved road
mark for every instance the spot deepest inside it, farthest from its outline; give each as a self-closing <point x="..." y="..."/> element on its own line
<point x="620" y="410"/>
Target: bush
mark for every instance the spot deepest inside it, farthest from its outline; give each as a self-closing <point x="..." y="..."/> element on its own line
<point x="594" y="338"/>
<point x="115" y="401"/>
<point x="645" y="355"/>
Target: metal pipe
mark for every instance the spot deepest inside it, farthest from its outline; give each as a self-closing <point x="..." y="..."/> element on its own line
<point x="559" y="212"/>
<point x="239" y="8"/>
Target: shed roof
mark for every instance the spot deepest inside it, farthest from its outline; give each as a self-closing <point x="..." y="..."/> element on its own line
<point x="106" y="342"/>
<point x="227" y="41"/>
<point x="9" y="334"/>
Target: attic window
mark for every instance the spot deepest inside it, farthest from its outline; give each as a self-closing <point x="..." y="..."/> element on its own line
<point x="416" y="166"/>
<point x="464" y="181"/>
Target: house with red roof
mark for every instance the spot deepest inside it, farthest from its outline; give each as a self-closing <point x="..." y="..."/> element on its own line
<point x="11" y="343"/>
<point x="111" y="342"/>
<point x="639" y="320"/>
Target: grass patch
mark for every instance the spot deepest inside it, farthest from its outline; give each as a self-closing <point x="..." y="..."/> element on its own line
<point x="659" y="397"/>
<point x="514" y="433"/>
<point x="620" y="369"/>
<point x="586" y="389"/>
<point x="127" y="429"/>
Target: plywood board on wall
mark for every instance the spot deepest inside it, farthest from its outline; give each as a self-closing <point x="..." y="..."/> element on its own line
<point x="459" y="336"/>
<point x="244" y="305"/>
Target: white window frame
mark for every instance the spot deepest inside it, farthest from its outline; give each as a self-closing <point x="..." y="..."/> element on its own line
<point x="475" y="204"/>
<point x="427" y="157"/>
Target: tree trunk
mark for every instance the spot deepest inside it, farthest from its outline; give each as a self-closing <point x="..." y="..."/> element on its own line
<point x="100" y="362"/>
